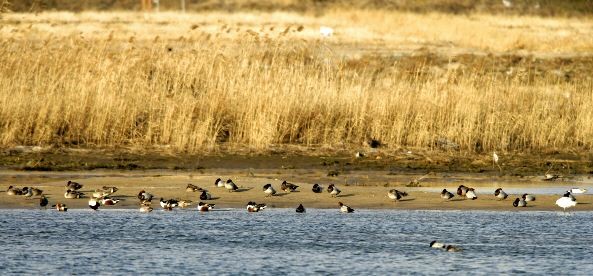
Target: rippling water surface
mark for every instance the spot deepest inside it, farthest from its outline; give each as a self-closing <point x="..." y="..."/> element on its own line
<point x="279" y="241"/>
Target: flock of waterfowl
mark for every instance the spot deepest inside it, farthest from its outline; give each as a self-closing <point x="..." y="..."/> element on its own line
<point x="103" y="196"/>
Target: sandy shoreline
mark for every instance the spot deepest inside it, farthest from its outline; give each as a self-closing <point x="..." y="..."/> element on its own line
<point x="356" y="196"/>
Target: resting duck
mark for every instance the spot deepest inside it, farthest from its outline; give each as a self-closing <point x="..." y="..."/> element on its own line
<point x="269" y="190"/>
<point x="344" y="208"/>
<point x="27" y="192"/>
<point x="500" y="194"/>
<point x="435" y="244"/>
<point x="110" y="189"/>
<point x="288" y="187"/>
<point x="184" y="203"/>
<point x="70" y="194"/>
<point x="446" y="195"/>
<point x="452" y="248"/>
<point x="14" y="191"/>
<point x="471" y="194"/>
<point x="528" y="197"/>
<point x="205" y="207"/>
<point x="36" y="192"/>
<point x="43" y="201"/>
<point x="144" y="197"/>
<point x="317" y="188"/>
<point x="109" y="201"/>
<point x="60" y="207"/>
<point x="577" y="191"/>
<point x="253" y="207"/>
<point x="219" y="183"/>
<point x="73" y="185"/>
<point x="144" y="208"/>
<point x="519" y="202"/>
<point x="462" y="190"/>
<point x="333" y="190"/>
<point x="94" y="204"/>
<point x="230" y="186"/>
<point x="193" y="188"/>
<point x="205" y="196"/>
<point x="100" y="194"/>
<point x="169" y="204"/>
<point x="300" y="209"/>
<point x="396" y="195"/>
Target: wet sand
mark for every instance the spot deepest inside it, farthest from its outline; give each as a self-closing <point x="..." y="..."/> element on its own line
<point x="359" y="195"/>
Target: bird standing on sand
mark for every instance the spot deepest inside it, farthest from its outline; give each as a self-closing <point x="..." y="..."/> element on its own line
<point x="566" y="202"/>
<point x="43" y="201"/>
<point x="205" y="196"/>
<point x="144" y="197"/>
<point x="519" y="202"/>
<point x="317" y="188"/>
<point x="333" y="190"/>
<point x="219" y="183"/>
<point x="344" y="208"/>
<point x="269" y="190"/>
<point x="528" y="197"/>
<point x="500" y="194"/>
<point x="288" y="187"/>
<point x="300" y="209"/>
<point x="471" y="194"/>
<point x="396" y="195"/>
<point x="446" y="195"/>
<point x="462" y="190"/>
<point x="230" y="186"/>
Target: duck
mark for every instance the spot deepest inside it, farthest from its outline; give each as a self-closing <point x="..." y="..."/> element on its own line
<point x="317" y="188"/>
<point x="396" y="195"/>
<point x="145" y="208"/>
<point x="219" y="183"/>
<point x="519" y="202"/>
<point x="528" y="197"/>
<point x="110" y="189"/>
<point x="550" y="177"/>
<point x="205" y="196"/>
<point x="288" y="187"/>
<point x="27" y="192"/>
<point x="14" y="191"/>
<point x="253" y="207"/>
<point x="344" y="208"/>
<point x="144" y="197"/>
<point x="94" y="203"/>
<point x="571" y="196"/>
<point x="300" y="209"/>
<point x="60" y="207"/>
<point x="230" y="186"/>
<point x="100" y="194"/>
<point x="70" y="194"/>
<point x="453" y="248"/>
<point x="107" y="201"/>
<point x="184" y="203"/>
<point x="471" y="194"/>
<point x="462" y="190"/>
<point x="566" y="202"/>
<point x="43" y="201"/>
<point x="71" y="185"/>
<point x="205" y="207"/>
<point x="193" y="188"/>
<point x="168" y="205"/>
<point x="269" y="190"/>
<point x="36" y="192"/>
<point x="435" y="244"/>
<point x="500" y="194"/>
<point x="577" y="191"/>
<point x="333" y="190"/>
<point x="446" y="195"/>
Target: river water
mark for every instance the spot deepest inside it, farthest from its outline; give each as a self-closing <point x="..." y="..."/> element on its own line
<point x="280" y="241"/>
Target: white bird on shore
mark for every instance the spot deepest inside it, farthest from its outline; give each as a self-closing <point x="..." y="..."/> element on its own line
<point x="495" y="158"/>
<point x="577" y="191"/>
<point x="566" y="202"/>
<point x="326" y="31"/>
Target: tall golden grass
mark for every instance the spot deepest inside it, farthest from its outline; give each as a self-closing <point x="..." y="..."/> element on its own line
<point x="199" y="92"/>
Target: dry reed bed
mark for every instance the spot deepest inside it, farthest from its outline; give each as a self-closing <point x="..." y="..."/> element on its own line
<point x="254" y="92"/>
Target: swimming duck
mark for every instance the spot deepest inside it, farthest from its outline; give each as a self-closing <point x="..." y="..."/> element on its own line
<point x="144" y="197"/>
<point x="219" y="183"/>
<point x="193" y="188"/>
<point x="107" y="201"/>
<point x="14" y="191"/>
<point x="333" y="190"/>
<point x="452" y="248"/>
<point x="471" y="194"/>
<point x="205" y="207"/>
<point x="446" y="195"/>
<point x="300" y="209"/>
<point x="317" y="188"/>
<point x="435" y="244"/>
<point x="60" y="207"/>
<point x="184" y="203"/>
<point x="519" y="202"/>
<point x="288" y="187"/>
<point x="396" y="195"/>
<point x="43" y="201"/>
<point x="73" y="194"/>
<point x="577" y="191"/>
<point x="205" y="196"/>
<point x="528" y="197"/>
<point x="73" y="186"/>
<point x="230" y="186"/>
<point x="269" y="190"/>
<point x="462" y="190"/>
<point x="144" y="208"/>
<point x="94" y="204"/>
<point x="253" y="207"/>
<point x="500" y="194"/>
<point x="27" y="192"/>
<point x="566" y="202"/>
<point x="344" y="208"/>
